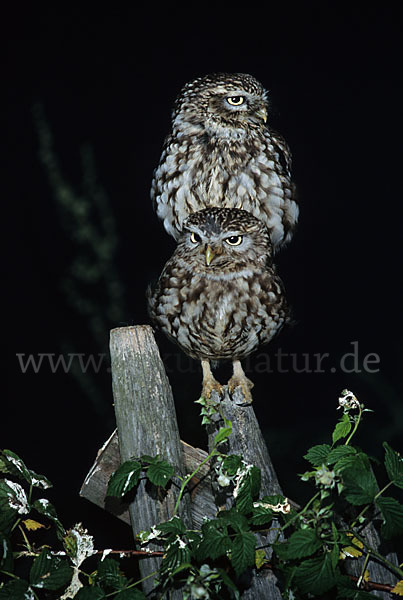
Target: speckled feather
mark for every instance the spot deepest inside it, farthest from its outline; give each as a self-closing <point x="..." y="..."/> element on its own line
<point x="228" y="309"/>
<point x="221" y="155"/>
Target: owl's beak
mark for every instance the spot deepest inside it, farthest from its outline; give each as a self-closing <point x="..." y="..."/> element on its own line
<point x="210" y="254"/>
<point x="262" y="113"/>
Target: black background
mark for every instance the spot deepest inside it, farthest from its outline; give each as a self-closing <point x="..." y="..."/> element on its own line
<point x="108" y="79"/>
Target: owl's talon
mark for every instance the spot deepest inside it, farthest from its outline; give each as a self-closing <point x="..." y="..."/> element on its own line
<point x="240" y="380"/>
<point x="210" y="384"/>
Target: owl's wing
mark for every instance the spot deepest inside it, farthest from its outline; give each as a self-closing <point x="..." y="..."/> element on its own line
<point x="283" y="151"/>
<point x="158" y="176"/>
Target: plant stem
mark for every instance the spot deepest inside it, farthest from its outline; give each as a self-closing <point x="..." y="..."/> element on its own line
<point x="382" y="559"/>
<point x="189" y="477"/>
<point x="357" y="422"/>
<point x="364" y="510"/>
<point x="300" y="513"/>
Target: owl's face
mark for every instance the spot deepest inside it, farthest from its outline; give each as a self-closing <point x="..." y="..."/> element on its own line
<point x="232" y="101"/>
<point x="224" y="242"/>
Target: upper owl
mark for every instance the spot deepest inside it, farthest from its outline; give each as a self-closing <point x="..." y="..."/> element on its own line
<point x="221" y="152"/>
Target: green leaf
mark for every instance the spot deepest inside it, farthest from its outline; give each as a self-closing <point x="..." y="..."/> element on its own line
<point x="243" y="551"/>
<point x="13" y="464"/>
<point x="229" y="583"/>
<point x="174" y="525"/>
<point x="317" y="455"/>
<point x="394" y="465"/>
<point x="13" y="497"/>
<point x="215" y="541"/>
<point x="231" y="464"/>
<point x="392" y="514"/>
<point x="360" y="486"/>
<point x="177" y="553"/>
<point x="124" y="479"/>
<point x="223" y="433"/>
<point x="347" y="589"/>
<point x="50" y="572"/>
<point x="44" y="507"/>
<point x="90" y="593"/>
<point x="261" y="515"/>
<point x="248" y="490"/>
<point x="303" y="542"/>
<point x="109" y="574"/>
<point x="340" y="452"/>
<point x="17" y="590"/>
<point x="160" y="473"/>
<point x="315" y="575"/>
<point x="342" y="429"/>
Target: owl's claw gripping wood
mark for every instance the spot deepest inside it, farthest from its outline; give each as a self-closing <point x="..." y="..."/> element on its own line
<point x="210" y="384"/>
<point x="239" y="379"/>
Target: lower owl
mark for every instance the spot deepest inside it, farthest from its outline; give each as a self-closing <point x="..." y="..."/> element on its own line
<point x="218" y="296"/>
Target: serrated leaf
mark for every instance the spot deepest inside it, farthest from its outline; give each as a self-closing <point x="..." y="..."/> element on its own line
<point x="303" y="542"/>
<point x="90" y="593"/>
<point x="223" y="433"/>
<point x="315" y="575"/>
<point x="261" y="515"/>
<point x="340" y="452"/>
<point x="124" y="479"/>
<point x="360" y="486"/>
<point x="394" y="465"/>
<point x="14" y="465"/>
<point x="177" y="553"/>
<point x="215" y="541"/>
<point x="17" y="590"/>
<point x="44" y="507"/>
<point x="229" y="583"/>
<point x="317" y="455"/>
<point x="392" y="514"/>
<point x="50" y="572"/>
<point x="110" y="575"/>
<point x="342" y="429"/>
<point x="32" y="525"/>
<point x="175" y="525"/>
<point x="243" y="551"/>
<point x="398" y="588"/>
<point x="13" y="496"/>
<point x="260" y="558"/>
<point x="248" y="489"/>
<point x="160" y="473"/>
<point x="231" y="464"/>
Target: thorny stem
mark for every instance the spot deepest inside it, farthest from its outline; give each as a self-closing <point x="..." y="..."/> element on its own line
<point x="299" y="514"/>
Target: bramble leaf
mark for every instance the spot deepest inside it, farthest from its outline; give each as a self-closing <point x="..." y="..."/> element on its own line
<point x="90" y="593"/>
<point x="342" y="429"/>
<point x="248" y="489"/>
<point x="17" y="590"/>
<point x="231" y="464"/>
<point x="315" y="575"/>
<point x="110" y="575"/>
<point x="174" y="525"/>
<point x="317" y="455"/>
<point x="215" y="541"/>
<point x="392" y="514"/>
<point x="360" y="486"/>
<point x="124" y="479"/>
<point x="50" y="572"/>
<point x="223" y="433"/>
<point x="303" y="542"/>
<point x="394" y="465"/>
<point x="340" y="452"/>
<point x="160" y="473"/>
<point x="243" y="551"/>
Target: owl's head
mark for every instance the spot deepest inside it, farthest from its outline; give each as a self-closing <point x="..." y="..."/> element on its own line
<point x="222" y="101"/>
<point x="218" y="241"/>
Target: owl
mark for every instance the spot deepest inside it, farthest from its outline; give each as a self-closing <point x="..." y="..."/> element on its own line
<point x="221" y="152"/>
<point x="219" y="297"/>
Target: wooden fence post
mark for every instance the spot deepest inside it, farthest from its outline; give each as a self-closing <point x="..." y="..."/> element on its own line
<point x="146" y="423"/>
<point x="247" y="441"/>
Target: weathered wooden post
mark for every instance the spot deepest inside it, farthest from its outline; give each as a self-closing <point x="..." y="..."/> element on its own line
<point x="146" y="423"/>
<point x="247" y="441"/>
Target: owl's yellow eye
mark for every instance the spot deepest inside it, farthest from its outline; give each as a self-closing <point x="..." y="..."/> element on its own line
<point x="194" y="238"/>
<point x="234" y="240"/>
<point x="235" y="100"/>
